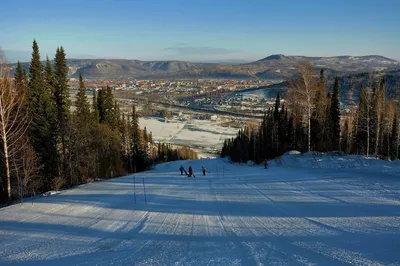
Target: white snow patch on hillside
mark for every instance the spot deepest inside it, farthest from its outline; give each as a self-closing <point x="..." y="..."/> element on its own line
<point x="199" y="133"/>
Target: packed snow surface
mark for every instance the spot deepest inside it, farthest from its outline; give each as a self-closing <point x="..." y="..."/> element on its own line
<point x="303" y="210"/>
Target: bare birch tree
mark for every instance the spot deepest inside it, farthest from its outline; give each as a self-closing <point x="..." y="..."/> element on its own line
<point x="303" y="92"/>
<point x="388" y="118"/>
<point x="365" y="117"/>
<point x="380" y="110"/>
<point x="14" y="120"/>
<point x="26" y="165"/>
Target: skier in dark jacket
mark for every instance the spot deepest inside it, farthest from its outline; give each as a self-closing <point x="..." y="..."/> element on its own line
<point x="190" y="171"/>
<point x="181" y="169"/>
<point x="204" y="170"/>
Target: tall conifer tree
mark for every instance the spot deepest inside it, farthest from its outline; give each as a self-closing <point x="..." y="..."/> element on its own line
<point x="101" y="106"/>
<point x="110" y="107"/>
<point x="136" y="140"/>
<point x="136" y="133"/>
<point x="62" y="87"/>
<point x="25" y="77"/>
<point x="49" y="79"/>
<point x="18" y="76"/>
<point x="63" y="104"/>
<point x="105" y="106"/>
<point x="42" y="111"/>
<point x="95" y="108"/>
<point x="82" y="111"/>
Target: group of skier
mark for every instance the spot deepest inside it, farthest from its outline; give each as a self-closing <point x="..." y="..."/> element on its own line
<point x="190" y="173"/>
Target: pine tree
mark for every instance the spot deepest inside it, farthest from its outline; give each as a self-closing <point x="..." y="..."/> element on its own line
<point x="136" y="133"/>
<point x="125" y="143"/>
<point x="35" y="75"/>
<point x="95" y="109"/>
<point x="274" y="125"/>
<point x="18" y="76"/>
<point x="105" y="106"/>
<point x="282" y="130"/>
<point x="25" y="78"/>
<point x="136" y="140"/>
<point x="49" y="78"/>
<point x="335" y="116"/>
<point x="61" y="87"/>
<point x="322" y="80"/>
<point x="81" y="142"/>
<point x="42" y="111"/>
<point x="61" y="96"/>
<point x="101" y="106"/>
<point x="116" y="115"/>
<point x="109" y="106"/>
<point x="21" y="83"/>
<point x="82" y="112"/>
<point x="317" y="120"/>
<point x="277" y="106"/>
<point x="129" y="144"/>
<point x="49" y="87"/>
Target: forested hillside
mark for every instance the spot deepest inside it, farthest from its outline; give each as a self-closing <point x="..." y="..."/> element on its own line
<point x="46" y="146"/>
<point x="311" y="119"/>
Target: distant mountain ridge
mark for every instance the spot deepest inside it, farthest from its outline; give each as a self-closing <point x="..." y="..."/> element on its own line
<point x="341" y="57"/>
<point x="277" y="66"/>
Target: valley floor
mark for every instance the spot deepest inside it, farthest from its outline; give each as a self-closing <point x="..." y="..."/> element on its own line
<point x="236" y="215"/>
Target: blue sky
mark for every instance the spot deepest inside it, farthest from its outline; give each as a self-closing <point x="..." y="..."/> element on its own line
<point x="201" y="30"/>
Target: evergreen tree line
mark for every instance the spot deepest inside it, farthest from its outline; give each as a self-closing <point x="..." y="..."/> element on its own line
<point x="165" y="152"/>
<point x="312" y="120"/>
<point x="48" y="145"/>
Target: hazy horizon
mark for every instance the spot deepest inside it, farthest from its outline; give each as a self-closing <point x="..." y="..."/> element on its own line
<point x="25" y="56"/>
<point x="201" y="31"/>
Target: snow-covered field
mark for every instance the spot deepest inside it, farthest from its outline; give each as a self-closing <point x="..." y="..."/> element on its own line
<point x="303" y="210"/>
<point x="198" y="133"/>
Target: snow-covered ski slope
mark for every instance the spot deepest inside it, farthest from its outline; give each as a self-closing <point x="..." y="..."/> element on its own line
<point x="301" y="211"/>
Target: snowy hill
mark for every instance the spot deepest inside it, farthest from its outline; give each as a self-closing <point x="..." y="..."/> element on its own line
<point x="303" y="210"/>
<point x="265" y="68"/>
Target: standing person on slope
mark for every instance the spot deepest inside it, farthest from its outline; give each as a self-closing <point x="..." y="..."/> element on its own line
<point x="204" y="170"/>
<point x="265" y="164"/>
<point x="181" y="169"/>
<point x="190" y="170"/>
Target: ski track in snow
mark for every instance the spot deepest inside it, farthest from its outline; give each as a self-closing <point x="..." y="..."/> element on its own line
<point x="249" y="216"/>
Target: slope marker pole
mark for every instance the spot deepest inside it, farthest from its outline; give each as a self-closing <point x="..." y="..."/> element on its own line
<point x="21" y="189"/>
<point x="134" y="190"/>
<point x="144" y="189"/>
<point x="32" y="195"/>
